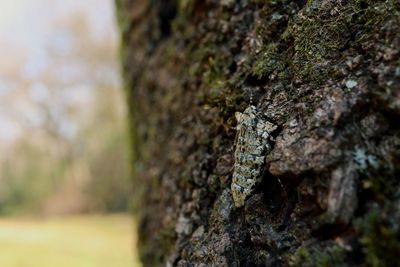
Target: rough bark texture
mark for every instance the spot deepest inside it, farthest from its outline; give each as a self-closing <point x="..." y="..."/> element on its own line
<point x="326" y="72"/>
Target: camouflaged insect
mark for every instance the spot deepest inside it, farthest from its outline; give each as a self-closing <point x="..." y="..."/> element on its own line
<point x="252" y="144"/>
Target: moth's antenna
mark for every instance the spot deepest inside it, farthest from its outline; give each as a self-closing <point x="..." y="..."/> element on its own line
<point x="251" y="98"/>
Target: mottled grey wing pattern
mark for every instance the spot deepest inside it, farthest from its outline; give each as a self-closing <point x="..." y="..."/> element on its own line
<point x="252" y="144"/>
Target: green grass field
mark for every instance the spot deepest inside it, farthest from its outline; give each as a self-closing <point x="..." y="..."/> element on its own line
<point x="77" y="241"/>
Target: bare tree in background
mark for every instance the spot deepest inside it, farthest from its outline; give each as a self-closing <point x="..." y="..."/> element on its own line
<point x="71" y="155"/>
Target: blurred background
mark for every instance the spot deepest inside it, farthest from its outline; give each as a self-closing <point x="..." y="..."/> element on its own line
<point x="64" y="161"/>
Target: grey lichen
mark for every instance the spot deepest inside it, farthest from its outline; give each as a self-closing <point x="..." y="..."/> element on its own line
<point x="350" y="84"/>
<point x="364" y="160"/>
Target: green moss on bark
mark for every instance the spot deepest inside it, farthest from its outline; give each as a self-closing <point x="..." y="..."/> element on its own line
<point x="326" y="72"/>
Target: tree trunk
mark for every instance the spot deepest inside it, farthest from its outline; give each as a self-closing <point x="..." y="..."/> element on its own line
<point x="314" y="161"/>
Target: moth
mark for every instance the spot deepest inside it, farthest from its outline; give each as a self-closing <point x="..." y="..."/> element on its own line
<point x="253" y="142"/>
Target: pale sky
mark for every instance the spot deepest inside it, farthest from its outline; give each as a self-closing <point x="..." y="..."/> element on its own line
<point x="27" y="29"/>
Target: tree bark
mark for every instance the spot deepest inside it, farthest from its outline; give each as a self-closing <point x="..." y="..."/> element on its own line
<point x="326" y="73"/>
